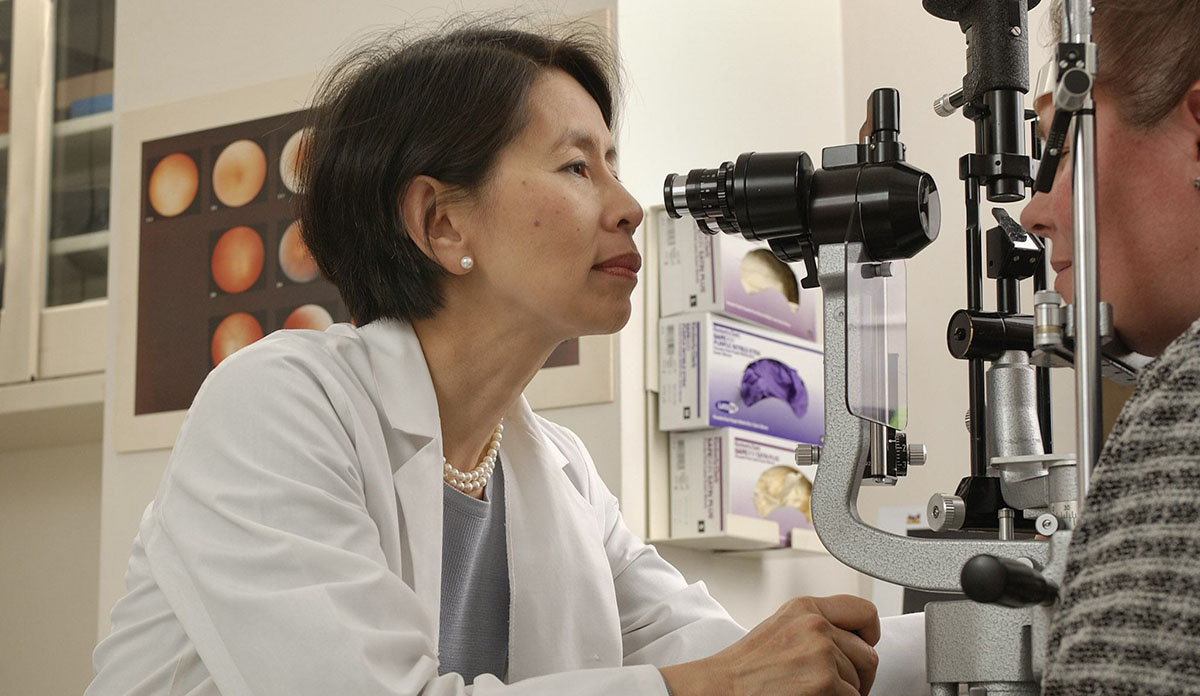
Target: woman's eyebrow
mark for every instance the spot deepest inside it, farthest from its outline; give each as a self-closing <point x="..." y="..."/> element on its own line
<point x="584" y="141"/>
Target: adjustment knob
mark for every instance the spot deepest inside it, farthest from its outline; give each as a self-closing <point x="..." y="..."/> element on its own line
<point x="1046" y="524"/>
<point x="945" y="512"/>
<point x="992" y="580"/>
<point x="808" y="455"/>
<point x="917" y="455"/>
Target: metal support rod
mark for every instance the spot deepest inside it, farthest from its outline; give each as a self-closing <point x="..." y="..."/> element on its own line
<point x="975" y="368"/>
<point x="1088" y="421"/>
<point x="1040" y="282"/>
<point x="1008" y="296"/>
<point x="879" y="458"/>
<point x="1087" y="297"/>
<point x="1007" y="524"/>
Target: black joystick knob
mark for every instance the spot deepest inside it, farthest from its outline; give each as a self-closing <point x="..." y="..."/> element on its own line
<point x="1004" y="581"/>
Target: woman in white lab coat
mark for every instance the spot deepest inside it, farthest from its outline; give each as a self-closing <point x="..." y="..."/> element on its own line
<point x="460" y="191"/>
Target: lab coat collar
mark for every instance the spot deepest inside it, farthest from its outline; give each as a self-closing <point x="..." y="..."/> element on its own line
<point x="402" y="378"/>
<point x="407" y="395"/>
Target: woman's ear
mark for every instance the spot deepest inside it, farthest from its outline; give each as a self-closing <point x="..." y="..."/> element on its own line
<point x="1191" y="102"/>
<point x="425" y="211"/>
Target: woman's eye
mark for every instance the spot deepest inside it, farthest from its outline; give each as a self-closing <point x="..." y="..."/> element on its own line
<point x="577" y="168"/>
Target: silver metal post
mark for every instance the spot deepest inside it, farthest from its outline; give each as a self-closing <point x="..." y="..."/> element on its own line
<point x="1087" y="298"/>
<point x="1088" y="422"/>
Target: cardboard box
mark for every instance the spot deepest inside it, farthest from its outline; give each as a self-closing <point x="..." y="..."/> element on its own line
<point x="733" y="276"/>
<point x="70" y="89"/>
<point x="735" y="490"/>
<point x="715" y="372"/>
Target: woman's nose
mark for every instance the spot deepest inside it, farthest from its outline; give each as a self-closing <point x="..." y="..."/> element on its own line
<point x="627" y="210"/>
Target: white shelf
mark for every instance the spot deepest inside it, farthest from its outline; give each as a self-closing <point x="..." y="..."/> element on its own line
<point x="751" y="537"/>
<point x="51" y="412"/>
<point x="83" y="124"/>
<point x="78" y="243"/>
<point x="804" y="544"/>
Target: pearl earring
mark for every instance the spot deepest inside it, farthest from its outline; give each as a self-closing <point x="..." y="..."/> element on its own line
<point x="467" y="263"/>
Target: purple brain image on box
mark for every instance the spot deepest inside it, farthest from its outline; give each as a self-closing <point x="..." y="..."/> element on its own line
<point x="768" y="378"/>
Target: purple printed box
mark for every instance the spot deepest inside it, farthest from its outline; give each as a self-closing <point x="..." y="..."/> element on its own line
<point x="715" y="372"/>
<point x="733" y="276"/>
<point x="732" y="489"/>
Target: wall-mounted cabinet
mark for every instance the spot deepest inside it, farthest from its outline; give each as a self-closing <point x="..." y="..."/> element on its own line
<point x="55" y="171"/>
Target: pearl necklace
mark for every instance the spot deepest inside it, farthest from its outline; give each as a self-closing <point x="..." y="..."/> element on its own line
<point x="477" y="478"/>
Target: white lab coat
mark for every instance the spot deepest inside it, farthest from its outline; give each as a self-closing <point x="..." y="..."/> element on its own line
<point x="294" y="547"/>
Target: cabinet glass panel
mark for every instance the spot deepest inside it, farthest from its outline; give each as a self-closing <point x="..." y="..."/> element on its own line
<point x="6" y="19"/>
<point x="82" y="151"/>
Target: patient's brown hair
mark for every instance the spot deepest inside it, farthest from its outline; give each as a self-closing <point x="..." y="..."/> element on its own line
<point x="1149" y="53"/>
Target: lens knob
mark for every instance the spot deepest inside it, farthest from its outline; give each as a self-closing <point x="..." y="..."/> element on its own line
<point x="945" y="512"/>
<point x="808" y="455"/>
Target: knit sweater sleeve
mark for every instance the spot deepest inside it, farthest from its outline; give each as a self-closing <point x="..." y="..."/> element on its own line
<point x="1129" y="620"/>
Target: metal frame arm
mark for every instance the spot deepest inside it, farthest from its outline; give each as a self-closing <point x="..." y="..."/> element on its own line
<point x="927" y="564"/>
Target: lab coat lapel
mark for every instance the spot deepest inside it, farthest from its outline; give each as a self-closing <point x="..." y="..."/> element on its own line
<point x="419" y="492"/>
<point x="415" y="452"/>
<point x="563" y="613"/>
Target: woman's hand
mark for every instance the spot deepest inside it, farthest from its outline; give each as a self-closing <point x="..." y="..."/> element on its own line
<point x="810" y="646"/>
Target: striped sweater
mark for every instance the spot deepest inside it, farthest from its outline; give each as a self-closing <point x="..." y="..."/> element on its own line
<point x="1129" y="621"/>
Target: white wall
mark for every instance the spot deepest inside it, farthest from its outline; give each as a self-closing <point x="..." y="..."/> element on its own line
<point x="49" y="505"/>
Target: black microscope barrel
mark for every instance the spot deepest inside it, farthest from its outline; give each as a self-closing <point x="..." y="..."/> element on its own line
<point x="974" y="335"/>
<point x="1004" y="134"/>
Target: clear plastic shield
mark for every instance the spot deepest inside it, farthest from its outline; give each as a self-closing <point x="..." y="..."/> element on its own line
<point x="876" y="339"/>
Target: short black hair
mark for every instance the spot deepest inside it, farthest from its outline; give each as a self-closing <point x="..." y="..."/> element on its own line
<point x="443" y="105"/>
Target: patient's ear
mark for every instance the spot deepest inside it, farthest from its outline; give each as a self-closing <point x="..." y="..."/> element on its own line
<point x="1191" y="106"/>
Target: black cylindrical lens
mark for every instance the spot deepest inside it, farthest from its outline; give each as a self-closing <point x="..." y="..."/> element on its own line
<point x="831" y="203"/>
<point x="973" y="335"/>
<point x="675" y="195"/>
<point x="769" y="194"/>
<point x="901" y="210"/>
<point x="1004" y="133"/>
<point x="701" y="192"/>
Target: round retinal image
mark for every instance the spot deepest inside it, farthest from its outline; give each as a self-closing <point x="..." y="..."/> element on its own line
<point x="173" y="184"/>
<point x="235" y="332"/>
<point x="239" y="173"/>
<point x="291" y="158"/>
<point x="237" y="259"/>
<point x="309" y="316"/>
<point x="294" y="259"/>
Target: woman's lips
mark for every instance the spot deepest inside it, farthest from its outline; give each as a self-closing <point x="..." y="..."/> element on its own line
<point x="624" y="266"/>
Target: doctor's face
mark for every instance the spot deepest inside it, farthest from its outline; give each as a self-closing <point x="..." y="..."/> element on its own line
<point x="552" y="230"/>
